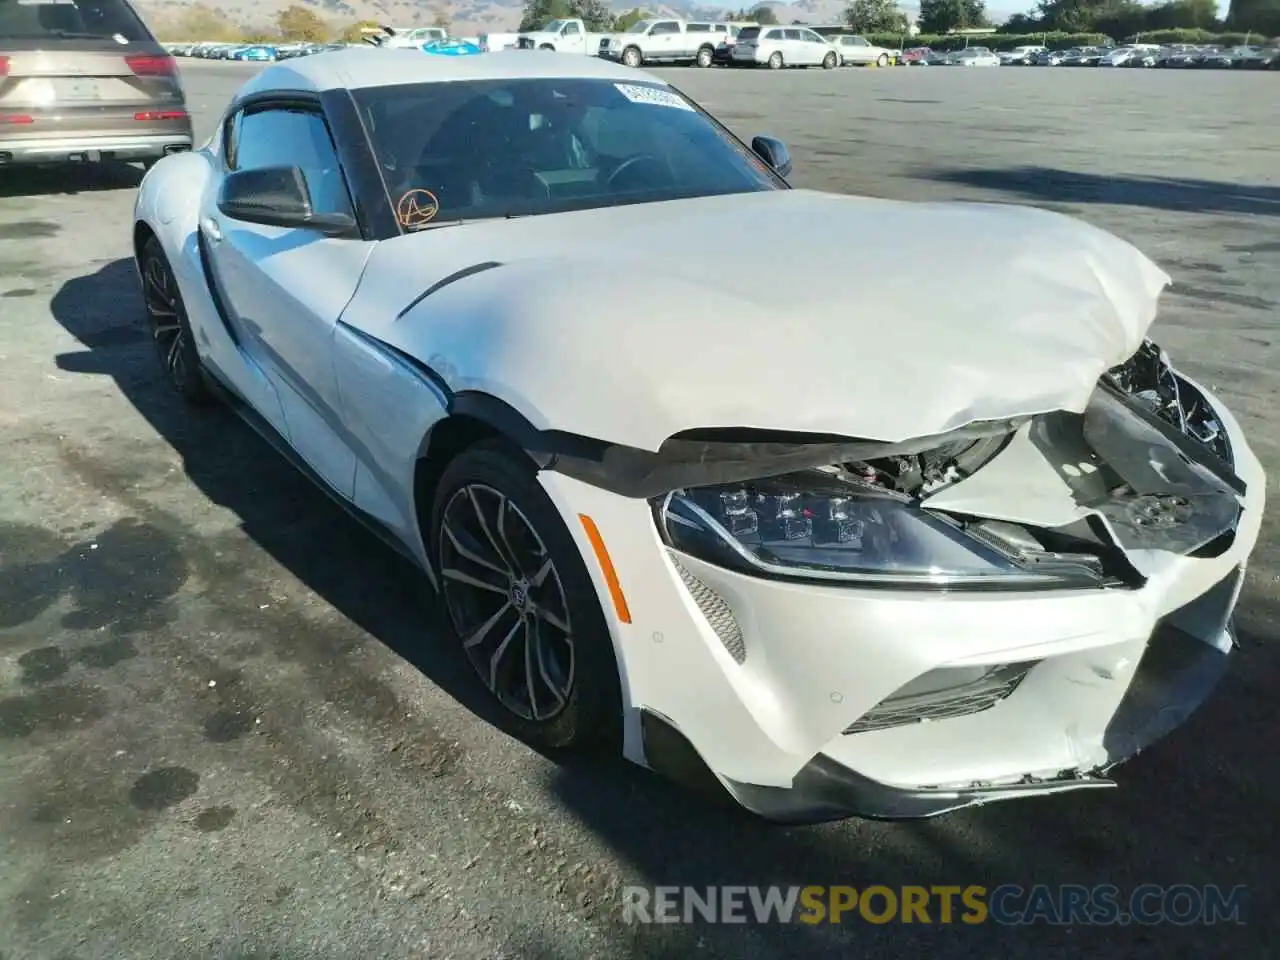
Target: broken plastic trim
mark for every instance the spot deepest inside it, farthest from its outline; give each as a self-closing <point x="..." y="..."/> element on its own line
<point x="1179" y="495"/>
<point x="694" y="460"/>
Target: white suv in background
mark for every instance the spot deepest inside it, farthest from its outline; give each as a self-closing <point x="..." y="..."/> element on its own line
<point x="778" y="47"/>
<point x="859" y="50"/>
<point x="665" y="41"/>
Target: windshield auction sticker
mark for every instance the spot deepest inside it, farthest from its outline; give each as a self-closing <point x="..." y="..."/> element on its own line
<point x="654" y="96"/>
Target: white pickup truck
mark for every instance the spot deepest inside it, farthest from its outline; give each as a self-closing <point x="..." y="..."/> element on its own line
<point x="414" y="38"/>
<point x="668" y="41"/>
<point x="566" y="36"/>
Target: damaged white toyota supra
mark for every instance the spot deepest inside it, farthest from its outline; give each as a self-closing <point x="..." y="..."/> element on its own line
<point x="832" y="566"/>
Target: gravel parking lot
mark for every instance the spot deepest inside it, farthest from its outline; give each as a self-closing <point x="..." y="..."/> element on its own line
<point x="227" y="729"/>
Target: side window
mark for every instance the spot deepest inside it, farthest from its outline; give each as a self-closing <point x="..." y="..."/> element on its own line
<point x="292" y="138"/>
<point x="811" y="36"/>
<point x="774" y="35"/>
<point x="697" y="28"/>
<point x="661" y="28"/>
<point x="793" y="34"/>
<point x="572" y="30"/>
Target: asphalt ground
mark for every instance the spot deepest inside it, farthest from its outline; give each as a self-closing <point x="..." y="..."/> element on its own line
<point x="228" y="727"/>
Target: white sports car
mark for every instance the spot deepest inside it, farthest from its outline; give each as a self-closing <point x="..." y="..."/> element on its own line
<point x="841" y="566"/>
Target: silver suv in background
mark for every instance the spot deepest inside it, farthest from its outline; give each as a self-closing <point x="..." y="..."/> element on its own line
<point x="85" y="81"/>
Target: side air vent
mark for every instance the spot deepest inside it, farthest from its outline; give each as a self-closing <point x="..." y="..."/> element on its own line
<point x="717" y="612"/>
<point x="944" y="694"/>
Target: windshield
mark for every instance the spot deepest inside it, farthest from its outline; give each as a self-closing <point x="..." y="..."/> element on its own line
<point x="554" y="26"/>
<point x="749" y="33"/>
<point x="639" y="26"/>
<point x="501" y="148"/>
<point x="110" y="20"/>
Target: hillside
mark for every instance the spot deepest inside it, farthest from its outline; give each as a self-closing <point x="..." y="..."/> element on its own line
<point x="464" y="16"/>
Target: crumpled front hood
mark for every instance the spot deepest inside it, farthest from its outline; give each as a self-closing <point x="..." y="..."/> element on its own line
<point x="790" y="311"/>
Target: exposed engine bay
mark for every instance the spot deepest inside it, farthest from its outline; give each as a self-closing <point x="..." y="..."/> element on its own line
<point x="1055" y="500"/>
<point x="1148" y="378"/>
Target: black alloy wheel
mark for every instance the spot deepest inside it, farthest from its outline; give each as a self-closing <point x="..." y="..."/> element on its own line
<point x="170" y="329"/>
<point x="521" y="602"/>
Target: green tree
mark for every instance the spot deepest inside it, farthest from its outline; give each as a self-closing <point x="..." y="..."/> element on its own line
<point x="1261" y="16"/>
<point x="1183" y="15"/>
<point x="628" y="20"/>
<point x="596" y="14"/>
<point x="299" y="23"/>
<point x="538" y="13"/>
<point x="762" y="15"/>
<point x="875" y="16"/>
<point x="941" y="16"/>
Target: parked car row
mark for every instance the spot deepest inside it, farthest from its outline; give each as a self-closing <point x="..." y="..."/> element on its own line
<point x="1129" y="55"/>
<point x="704" y="43"/>
<point x="261" y="52"/>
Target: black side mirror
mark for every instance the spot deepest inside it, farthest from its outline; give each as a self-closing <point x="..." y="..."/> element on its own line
<point x="773" y="152"/>
<point x="278" y="197"/>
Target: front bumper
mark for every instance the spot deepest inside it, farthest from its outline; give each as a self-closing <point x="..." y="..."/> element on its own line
<point x="763" y="681"/>
<point x="91" y="149"/>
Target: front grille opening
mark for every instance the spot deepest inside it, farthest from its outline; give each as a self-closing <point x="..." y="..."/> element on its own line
<point x="944" y="694"/>
<point x="717" y="613"/>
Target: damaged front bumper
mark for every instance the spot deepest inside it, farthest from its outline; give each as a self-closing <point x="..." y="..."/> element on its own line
<point x="812" y="700"/>
<point x="1185" y="658"/>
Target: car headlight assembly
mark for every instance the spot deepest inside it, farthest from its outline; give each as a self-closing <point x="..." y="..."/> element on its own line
<point x="819" y="525"/>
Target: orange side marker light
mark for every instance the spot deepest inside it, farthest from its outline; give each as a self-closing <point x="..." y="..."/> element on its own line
<point x="606" y="566"/>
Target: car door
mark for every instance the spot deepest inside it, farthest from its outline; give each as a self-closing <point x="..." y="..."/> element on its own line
<point x="818" y="47"/>
<point x="284" y="288"/>
<point x="664" y="39"/>
<point x="571" y="38"/>
<point x="857" y="50"/>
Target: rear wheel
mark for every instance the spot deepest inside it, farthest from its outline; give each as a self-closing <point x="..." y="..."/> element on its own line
<point x="829" y="62"/>
<point x="775" y="61"/>
<point x="705" y="56"/>
<point x="520" y="599"/>
<point x="170" y="328"/>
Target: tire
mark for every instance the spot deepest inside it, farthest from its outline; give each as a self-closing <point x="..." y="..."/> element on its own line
<point x="547" y="46"/>
<point x="632" y="57"/>
<point x="775" y="61"/>
<point x="576" y="701"/>
<point x="829" y="62"/>
<point x="882" y="60"/>
<point x="705" y="57"/>
<point x="170" y="328"/>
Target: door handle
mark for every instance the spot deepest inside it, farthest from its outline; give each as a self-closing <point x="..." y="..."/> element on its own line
<point x="212" y="229"/>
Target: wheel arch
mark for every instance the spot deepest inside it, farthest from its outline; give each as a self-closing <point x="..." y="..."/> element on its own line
<point x="142" y="232"/>
<point x="473" y="417"/>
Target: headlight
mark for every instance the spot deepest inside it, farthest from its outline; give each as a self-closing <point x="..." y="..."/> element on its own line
<point x="818" y="525"/>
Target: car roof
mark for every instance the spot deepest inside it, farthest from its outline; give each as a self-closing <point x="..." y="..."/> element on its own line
<point x="357" y="68"/>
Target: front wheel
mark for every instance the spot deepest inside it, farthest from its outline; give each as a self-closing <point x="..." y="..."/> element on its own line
<point x="547" y="46"/>
<point x="170" y="329"/>
<point x="829" y="62"/>
<point x="521" y="602"/>
<point x="775" y="61"/>
<point x="631" y="57"/>
<point x="882" y="60"/>
<point x="705" y="56"/>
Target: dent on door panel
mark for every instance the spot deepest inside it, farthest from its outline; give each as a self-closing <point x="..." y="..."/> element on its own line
<point x="389" y="406"/>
